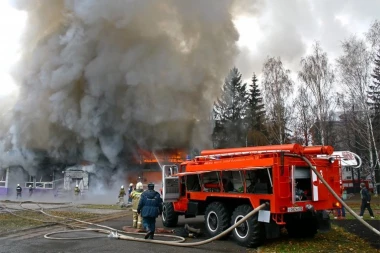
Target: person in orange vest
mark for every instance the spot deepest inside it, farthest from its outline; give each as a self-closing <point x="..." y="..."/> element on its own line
<point x="135" y="196"/>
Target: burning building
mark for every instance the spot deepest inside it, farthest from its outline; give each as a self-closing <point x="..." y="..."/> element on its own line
<point x="148" y="164"/>
<point x="98" y="79"/>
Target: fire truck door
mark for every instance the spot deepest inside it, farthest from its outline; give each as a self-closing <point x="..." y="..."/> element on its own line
<point x="319" y="190"/>
<point x="170" y="183"/>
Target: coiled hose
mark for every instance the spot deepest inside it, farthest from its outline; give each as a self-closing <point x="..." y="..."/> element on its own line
<point x="113" y="232"/>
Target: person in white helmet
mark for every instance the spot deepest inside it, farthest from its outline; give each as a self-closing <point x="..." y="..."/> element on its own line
<point x="18" y="191"/>
<point x="30" y="191"/>
<point x="135" y="196"/>
<point x="129" y="193"/>
<point x="76" y="191"/>
<point x="121" y="196"/>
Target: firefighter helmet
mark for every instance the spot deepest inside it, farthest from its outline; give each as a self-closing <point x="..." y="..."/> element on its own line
<point x="76" y="186"/>
<point x="18" y="184"/>
<point x="122" y="187"/>
<point x="131" y="184"/>
<point x="139" y="186"/>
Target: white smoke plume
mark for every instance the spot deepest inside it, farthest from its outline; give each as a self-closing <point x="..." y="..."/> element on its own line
<point x="95" y="76"/>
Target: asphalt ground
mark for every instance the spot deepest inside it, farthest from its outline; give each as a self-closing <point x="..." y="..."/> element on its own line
<point x="35" y="242"/>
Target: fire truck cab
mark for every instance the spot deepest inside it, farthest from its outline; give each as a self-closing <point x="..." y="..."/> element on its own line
<point x="224" y="185"/>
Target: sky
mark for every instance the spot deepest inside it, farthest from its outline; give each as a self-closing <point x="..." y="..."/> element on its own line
<point x="289" y="28"/>
<point x="12" y="23"/>
<point x="285" y="29"/>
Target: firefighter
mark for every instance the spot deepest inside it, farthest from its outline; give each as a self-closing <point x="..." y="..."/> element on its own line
<point x="129" y="193"/>
<point x="150" y="206"/>
<point x="121" y="196"/>
<point x="341" y="213"/>
<point x="18" y="191"/>
<point x="30" y="191"/>
<point x="135" y="196"/>
<point x="76" y="191"/>
<point x="366" y="199"/>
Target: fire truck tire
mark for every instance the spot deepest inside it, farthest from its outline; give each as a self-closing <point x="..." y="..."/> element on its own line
<point x="250" y="233"/>
<point x="169" y="216"/>
<point x="217" y="218"/>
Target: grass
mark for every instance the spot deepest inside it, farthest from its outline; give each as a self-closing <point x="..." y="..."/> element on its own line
<point x="336" y="240"/>
<point x="29" y="219"/>
<point x="356" y="208"/>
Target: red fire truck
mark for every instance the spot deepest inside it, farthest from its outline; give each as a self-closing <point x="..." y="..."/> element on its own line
<point x="224" y="185"/>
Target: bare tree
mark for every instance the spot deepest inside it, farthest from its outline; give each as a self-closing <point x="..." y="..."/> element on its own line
<point x="317" y="75"/>
<point x="277" y="86"/>
<point x="355" y="67"/>
<point x="304" y="119"/>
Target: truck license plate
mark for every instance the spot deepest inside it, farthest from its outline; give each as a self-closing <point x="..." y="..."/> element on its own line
<point x="295" y="209"/>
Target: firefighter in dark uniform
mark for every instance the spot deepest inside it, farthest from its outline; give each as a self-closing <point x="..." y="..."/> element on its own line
<point x="18" y="191"/>
<point x="366" y="201"/>
<point x="150" y="206"/>
<point x="130" y="189"/>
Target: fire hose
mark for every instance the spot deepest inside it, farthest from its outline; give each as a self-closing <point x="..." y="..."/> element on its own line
<point x="336" y="195"/>
<point x="113" y="233"/>
<point x="118" y="234"/>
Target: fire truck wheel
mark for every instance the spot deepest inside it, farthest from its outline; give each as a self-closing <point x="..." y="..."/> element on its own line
<point x="169" y="216"/>
<point x="217" y="218"/>
<point x="249" y="233"/>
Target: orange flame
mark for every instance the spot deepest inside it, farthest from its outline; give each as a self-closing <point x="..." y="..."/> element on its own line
<point x="160" y="156"/>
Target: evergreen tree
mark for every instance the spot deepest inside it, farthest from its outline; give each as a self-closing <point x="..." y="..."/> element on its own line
<point x="229" y="113"/>
<point x="255" y="116"/>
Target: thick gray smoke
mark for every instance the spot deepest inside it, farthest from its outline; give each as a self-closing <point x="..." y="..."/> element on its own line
<point x="96" y="76"/>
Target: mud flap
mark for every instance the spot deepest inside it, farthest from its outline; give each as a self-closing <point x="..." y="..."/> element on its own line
<point x="272" y="230"/>
<point x="324" y="223"/>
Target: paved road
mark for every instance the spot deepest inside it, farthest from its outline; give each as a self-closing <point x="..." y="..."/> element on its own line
<point x="35" y="243"/>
